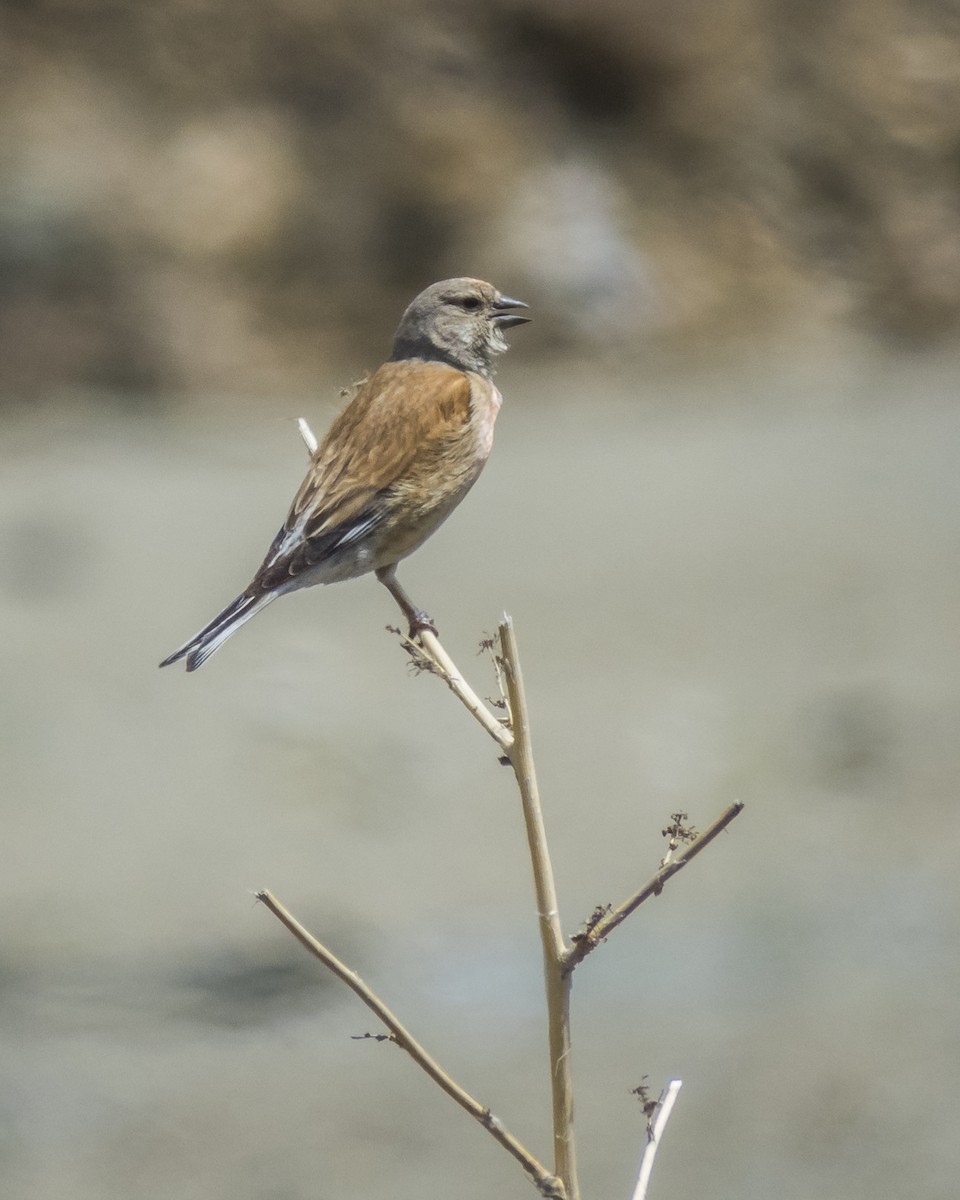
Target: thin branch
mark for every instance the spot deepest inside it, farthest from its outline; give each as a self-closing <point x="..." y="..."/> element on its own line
<point x="551" y="932"/>
<point x="444" y="666"/>
<point x="655" y="1132"/>
<point x="586" y="942"/>
<point x="547" y="1184"/>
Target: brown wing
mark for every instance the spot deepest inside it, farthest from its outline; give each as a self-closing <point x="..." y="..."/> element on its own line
<point x="391" y="431"/>
<point x="396" y="417"/>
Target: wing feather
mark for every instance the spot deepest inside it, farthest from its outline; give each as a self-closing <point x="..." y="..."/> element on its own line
<point x="393" y="434"/>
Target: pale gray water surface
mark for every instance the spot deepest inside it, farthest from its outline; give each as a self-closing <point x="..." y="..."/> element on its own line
<point x="738" y="582"/>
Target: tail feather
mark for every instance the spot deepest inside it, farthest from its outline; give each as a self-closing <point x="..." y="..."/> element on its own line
<point x="212" y="636"/>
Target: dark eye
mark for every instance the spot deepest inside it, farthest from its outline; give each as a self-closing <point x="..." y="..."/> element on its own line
<point x="469" y="303"/>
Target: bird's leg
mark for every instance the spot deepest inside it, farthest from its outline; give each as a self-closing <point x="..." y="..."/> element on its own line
<point x="417" y="618"/>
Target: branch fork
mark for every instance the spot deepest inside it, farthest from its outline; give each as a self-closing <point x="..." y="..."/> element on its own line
<point x="560" y="957"/>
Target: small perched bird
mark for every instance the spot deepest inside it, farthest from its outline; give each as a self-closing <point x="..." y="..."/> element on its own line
<point x="395" y="463"/>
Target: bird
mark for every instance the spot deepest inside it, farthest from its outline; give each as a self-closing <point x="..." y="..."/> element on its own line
<point x="394" y="464"/>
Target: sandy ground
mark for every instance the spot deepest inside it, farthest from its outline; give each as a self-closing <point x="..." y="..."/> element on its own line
<point x="729" y="581"/>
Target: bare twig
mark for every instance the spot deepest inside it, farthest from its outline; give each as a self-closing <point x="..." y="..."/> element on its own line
<point x="548" y="1185"/>
<point x="655" y="1130"/>
<point x="448" y="671"/>
<point x="309" y="440"/>
<point x="586" y="942"/>
<point x="551" y="931"/>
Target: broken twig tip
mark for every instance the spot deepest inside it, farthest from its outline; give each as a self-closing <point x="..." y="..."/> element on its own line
<point x="307" y="434"/>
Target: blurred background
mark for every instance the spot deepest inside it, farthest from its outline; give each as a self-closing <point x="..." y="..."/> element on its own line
<point x="723" y="510"/>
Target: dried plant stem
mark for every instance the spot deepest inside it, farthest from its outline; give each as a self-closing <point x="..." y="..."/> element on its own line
<point x="551" y="932"/>
<point x="446" y="668"/>
<point x="547" y="1184"/>
<point x="607" y="924"/>
<point x="559" y="958"/>
<point x="664" y="1109"/>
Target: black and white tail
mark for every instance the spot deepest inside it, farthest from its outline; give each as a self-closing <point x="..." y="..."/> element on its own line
<point x="212" y="636"/>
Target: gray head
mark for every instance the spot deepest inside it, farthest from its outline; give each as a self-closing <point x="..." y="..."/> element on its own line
<point x="457" y="321"/>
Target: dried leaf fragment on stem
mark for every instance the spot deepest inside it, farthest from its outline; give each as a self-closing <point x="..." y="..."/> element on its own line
<point x="592" y="922"/>
<point x="647" y="1102"/>
<point x="679" y="835"/>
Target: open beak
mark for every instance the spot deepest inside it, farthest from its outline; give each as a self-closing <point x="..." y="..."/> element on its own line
<point x="503" y="315"/>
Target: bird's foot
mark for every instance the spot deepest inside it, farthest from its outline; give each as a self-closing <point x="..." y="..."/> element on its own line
<point x="420" y="623"/>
